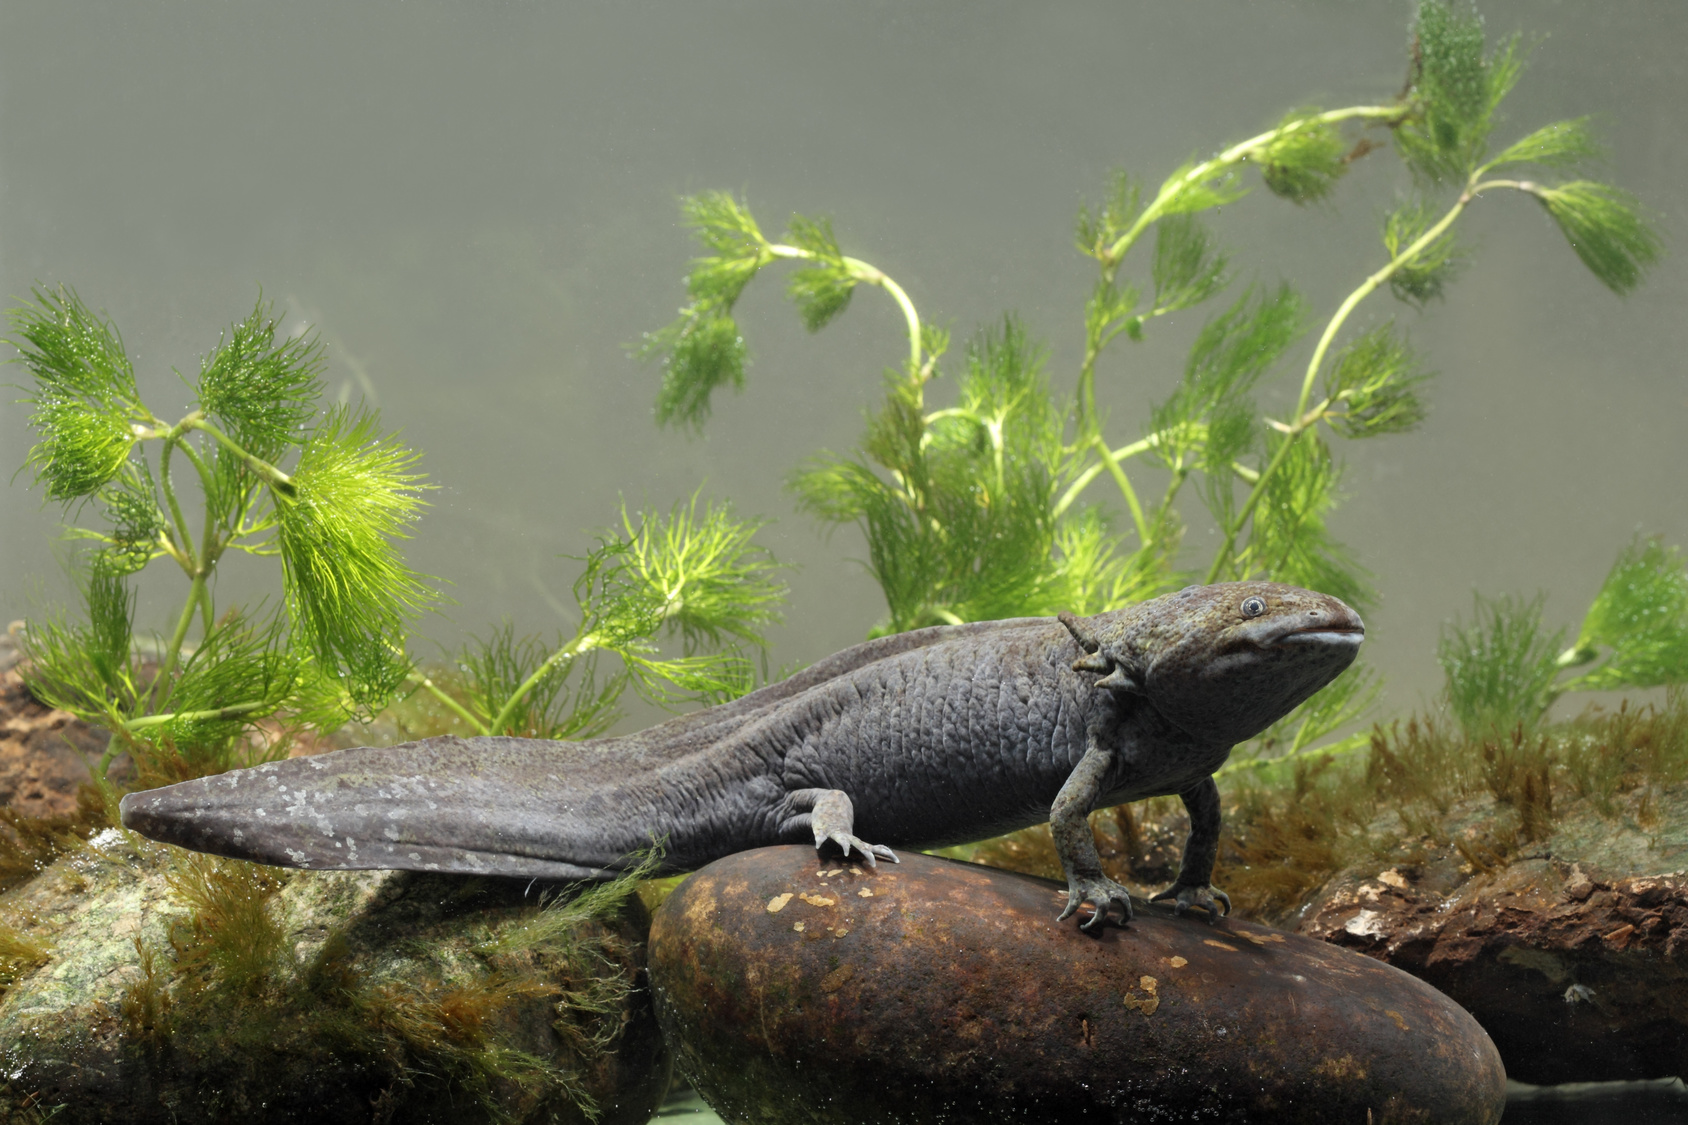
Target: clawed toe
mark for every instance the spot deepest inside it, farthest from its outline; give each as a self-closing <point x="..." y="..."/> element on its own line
<point x="1204" y="897"/>
<point x="1103" y="895"/>
<point x="870" y="853"/>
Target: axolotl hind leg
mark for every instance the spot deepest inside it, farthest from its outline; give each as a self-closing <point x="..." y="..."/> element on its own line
<point x="831" y="817"/>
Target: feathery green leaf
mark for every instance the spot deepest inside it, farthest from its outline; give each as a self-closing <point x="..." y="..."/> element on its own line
<point x="1303" y="163"/>
<point x="1604" y="226"/>
<point x="1422" y="278"/>
<point x="85" y="399"/>
<point x="348" y="591"/>
<point x="260" y="391"/>
<point x="821" y="290"/>
<point x="1638" y="620"/>
<point x="1500" y="668"/>
<point x="1563" y="144"/>
<point x="1188" y="264"/>
<point x="1372" y="386"/>
<point x="1288" y="540"/>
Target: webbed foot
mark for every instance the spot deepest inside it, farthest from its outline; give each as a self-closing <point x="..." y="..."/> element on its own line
<point x="1206" y="897"/>
<point x="1103" y="894"/>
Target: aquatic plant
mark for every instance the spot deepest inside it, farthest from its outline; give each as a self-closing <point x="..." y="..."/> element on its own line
<point x="333" y="647"/>
<point x="1506" y="668"/>
<point x="979" y="507"/>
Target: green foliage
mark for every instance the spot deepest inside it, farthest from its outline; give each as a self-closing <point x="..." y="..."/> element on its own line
<point x="1506" y="668"/>
<point x="1230" y="354"/>
<point x="1423" y="277"/>
<point x="1604" y="226"/>
<point x="1304" y="159"/>
<point x="695" y="576"/>
<point x="974" y="507"/>
<point x="338" y="646"/>
<point x="1499" y="669"/>
<point x="1456" y="89"/>
<point x="1563" y="144"/>
<point x="1195" y="187"/>
<point x="1638" y="622"/>
<point x="349" y="591"/>
<point x="1290" y="540"/>
<point x="957" y="505"/>
<point x="1372" y="386"/>
<point x="86" y="403"/>
<point x="567" y="699"/>
<point x="261" y="391"/>
<point x="823" y="290"/>
<point x="702" y="350"/>
<point x="1188" y="265"/>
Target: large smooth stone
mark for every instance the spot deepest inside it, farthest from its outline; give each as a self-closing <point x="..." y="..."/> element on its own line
<point x="796" y="989"/>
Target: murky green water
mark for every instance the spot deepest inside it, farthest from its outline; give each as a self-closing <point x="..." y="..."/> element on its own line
<point x="474" y="205"/>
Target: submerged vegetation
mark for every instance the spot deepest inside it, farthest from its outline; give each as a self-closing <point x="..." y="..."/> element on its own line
<point x="975" y="504"/>
<point x="981" y="506"/>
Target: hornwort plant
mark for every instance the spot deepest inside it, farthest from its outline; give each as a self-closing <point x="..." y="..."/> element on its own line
<point x="980" y="507"/>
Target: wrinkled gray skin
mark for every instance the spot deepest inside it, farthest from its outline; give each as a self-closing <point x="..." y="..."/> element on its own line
<point x="923" y="739"/>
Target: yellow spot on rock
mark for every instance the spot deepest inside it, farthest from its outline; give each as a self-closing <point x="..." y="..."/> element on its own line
<point x="1145" y="1004"/>
<point x="1396" y="1016"/>
<point x="1176" y="962"/>
<point x="1259" y="939"/>
<point x="835" y="980"/>
<point x="817" y="900"/>
<point x="777" y="903"/>
<point x="798" y="926"/>
<point x="1218" y="944"/>
<point x="864" y="893"/>
<point x="840" y="931"/>
<point x="1393" y="878"/>
<point x="833" y="872"/>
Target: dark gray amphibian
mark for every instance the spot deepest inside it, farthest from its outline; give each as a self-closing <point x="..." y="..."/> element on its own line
<point x="923" y="739"/>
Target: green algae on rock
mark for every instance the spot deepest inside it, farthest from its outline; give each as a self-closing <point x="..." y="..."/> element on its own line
<point x="793" y="987"/>
<point x="167" y="988"/>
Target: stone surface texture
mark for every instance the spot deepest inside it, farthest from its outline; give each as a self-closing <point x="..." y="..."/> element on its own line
<point x="802" y="988"/>
<point x="45" y="755"/>
<point x="388" y="997"/>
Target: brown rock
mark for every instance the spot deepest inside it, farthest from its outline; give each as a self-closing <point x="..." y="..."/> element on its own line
<point x="1577" y="978"/>
<point x="950" y="993"/>
<point x="45" y="755"/>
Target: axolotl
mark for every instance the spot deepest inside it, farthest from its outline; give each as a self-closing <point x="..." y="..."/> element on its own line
<point x="919" y="740"/>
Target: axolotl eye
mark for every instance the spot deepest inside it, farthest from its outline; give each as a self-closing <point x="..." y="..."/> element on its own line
<point x="1253" y="607"/>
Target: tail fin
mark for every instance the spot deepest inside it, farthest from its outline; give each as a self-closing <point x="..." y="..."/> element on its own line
<point x="484" y="806"/>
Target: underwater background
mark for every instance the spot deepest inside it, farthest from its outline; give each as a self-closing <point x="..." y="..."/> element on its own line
<point x="475" y="208"/>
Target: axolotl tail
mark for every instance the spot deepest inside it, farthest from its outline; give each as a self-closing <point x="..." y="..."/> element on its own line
<point x="485" y="806"/>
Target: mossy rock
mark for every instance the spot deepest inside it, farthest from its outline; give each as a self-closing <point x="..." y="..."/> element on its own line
<point x="143" y="983"/>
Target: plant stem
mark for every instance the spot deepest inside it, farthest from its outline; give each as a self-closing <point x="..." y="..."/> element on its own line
<point x="1125" y="488"/>
<point x="184" y="542"/>
<point x="265" y="471"/>
<point x="1124" y="452"/>
<point x="582" y="643"/>
<point x="444" y="697"/>
<point x="1234" y="155"/>
<point x="872" y="275"/>
<point x="1305" y="419"/>
<point x="234" y="711"/>
<point x="161" y="685"/>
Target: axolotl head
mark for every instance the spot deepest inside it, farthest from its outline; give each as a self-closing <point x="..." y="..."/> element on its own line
<point x="1222" y="662"/>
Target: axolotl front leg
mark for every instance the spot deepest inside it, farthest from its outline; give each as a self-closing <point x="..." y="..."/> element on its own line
<point x="1075" y="844"/>
<point x="829" y="814"/>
